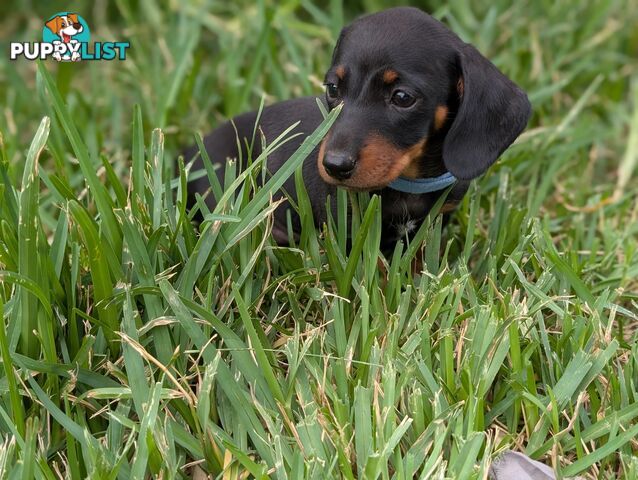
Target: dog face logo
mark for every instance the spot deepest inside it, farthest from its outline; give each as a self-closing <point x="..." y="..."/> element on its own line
<point x="66" y="26"/>
<point x="66" y="31"/>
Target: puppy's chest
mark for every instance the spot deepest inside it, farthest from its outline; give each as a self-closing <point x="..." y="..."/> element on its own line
<point x="403" y="215"/>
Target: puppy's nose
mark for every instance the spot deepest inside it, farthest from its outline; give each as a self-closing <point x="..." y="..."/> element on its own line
<point x="77" y="26"/>
<point x="338" y="164"/>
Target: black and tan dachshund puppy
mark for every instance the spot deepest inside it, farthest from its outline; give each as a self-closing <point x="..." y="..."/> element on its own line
<point x="422" y="110"/>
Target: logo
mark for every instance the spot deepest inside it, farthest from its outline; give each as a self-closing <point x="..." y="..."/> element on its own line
<point x="65" y="38"/>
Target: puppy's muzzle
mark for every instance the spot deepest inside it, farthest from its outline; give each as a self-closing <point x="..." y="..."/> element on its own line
<point x="339" y="165"/>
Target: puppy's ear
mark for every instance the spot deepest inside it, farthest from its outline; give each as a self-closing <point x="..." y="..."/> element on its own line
<point x="492" y="112"/>
<point x="55" y="24"/>
<point x="73" y="17"/>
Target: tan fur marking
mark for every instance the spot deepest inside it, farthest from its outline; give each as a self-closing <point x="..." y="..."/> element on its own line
<point x="322" y="151"/>
<point x="460" y="87"/>
<point x="440" y="116"/>
<point x="390" y="76"/>
<point x="73" y="17"/>
<point x="413" y="170"/>
<point x="379" y="163"/>
<point x="449" y="207"/>
<point x="55" y="24"/>
<point x="340" y="71"/>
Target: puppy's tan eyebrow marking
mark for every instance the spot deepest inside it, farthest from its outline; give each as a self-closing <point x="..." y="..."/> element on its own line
<point x="340" y="71"/>
<point x="390" y="76"/>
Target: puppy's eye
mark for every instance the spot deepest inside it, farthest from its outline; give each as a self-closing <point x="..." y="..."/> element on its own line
<point x="332" y="91"/>
<point x="402" y="99"/>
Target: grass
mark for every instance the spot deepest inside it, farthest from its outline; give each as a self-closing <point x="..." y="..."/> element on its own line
<point x="136" y="345"/>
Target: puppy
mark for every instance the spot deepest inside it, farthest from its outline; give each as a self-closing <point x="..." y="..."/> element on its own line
<point x="66" y="26"/>
<point x="422" y="111"/>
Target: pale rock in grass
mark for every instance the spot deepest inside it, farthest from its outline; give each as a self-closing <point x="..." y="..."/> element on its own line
<point x="512" y="465"/>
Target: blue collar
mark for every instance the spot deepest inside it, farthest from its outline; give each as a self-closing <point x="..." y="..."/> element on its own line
<point x="422" y="185"/>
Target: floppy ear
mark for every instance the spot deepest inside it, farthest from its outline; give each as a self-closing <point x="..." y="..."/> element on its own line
<point x="54" y="24"/>
<point x="493" y="111"/>
<point x="73" y="17"/>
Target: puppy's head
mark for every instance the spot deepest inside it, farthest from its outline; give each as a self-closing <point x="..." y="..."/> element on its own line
<point x="65" y="25"/>
<point x="404" y="78"/>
